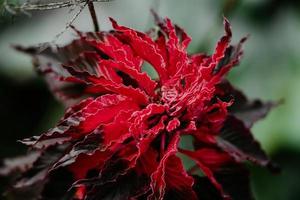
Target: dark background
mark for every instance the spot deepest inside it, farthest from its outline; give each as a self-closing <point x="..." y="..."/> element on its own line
<point x="269" y="70"/>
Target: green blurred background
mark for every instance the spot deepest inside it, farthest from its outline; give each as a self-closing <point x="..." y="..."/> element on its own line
<point x="269" y="70"/>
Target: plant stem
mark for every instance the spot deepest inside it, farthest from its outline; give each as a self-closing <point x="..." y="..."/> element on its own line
<point x="93" y="15"/>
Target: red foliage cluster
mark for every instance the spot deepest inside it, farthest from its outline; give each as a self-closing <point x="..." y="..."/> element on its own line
<point x="121" y="135"/>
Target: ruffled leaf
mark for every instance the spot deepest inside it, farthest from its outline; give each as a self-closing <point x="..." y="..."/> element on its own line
<point x="170" y="181"/>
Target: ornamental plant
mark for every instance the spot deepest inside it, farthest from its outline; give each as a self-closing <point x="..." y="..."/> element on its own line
<point x="182" y="133"/>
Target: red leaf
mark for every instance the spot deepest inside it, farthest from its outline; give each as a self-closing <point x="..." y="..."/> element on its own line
<point x="170" y="178"/>
<point x="143" y="46"/>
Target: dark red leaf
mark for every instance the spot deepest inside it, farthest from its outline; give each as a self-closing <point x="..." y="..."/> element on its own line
<point x="249" y="111"/>
<point x="238" y="141"/>
<point x="170" y="178"/>
<point x="234" y="179"/>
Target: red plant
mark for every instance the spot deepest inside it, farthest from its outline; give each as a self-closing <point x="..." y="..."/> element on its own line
<point x="120" y="137"/>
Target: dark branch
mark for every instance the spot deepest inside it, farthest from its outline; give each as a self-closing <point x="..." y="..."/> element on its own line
<point x="93" y="15"/>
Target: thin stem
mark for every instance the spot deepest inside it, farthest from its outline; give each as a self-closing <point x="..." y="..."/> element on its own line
<point x="69" y="24"/>
<point x="93" y="15"/>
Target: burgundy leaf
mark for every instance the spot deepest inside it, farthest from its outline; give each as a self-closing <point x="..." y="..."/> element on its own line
<point x="234" y="179"/>
<point x="237" y="140"/>
<point x="249" y="111"/>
